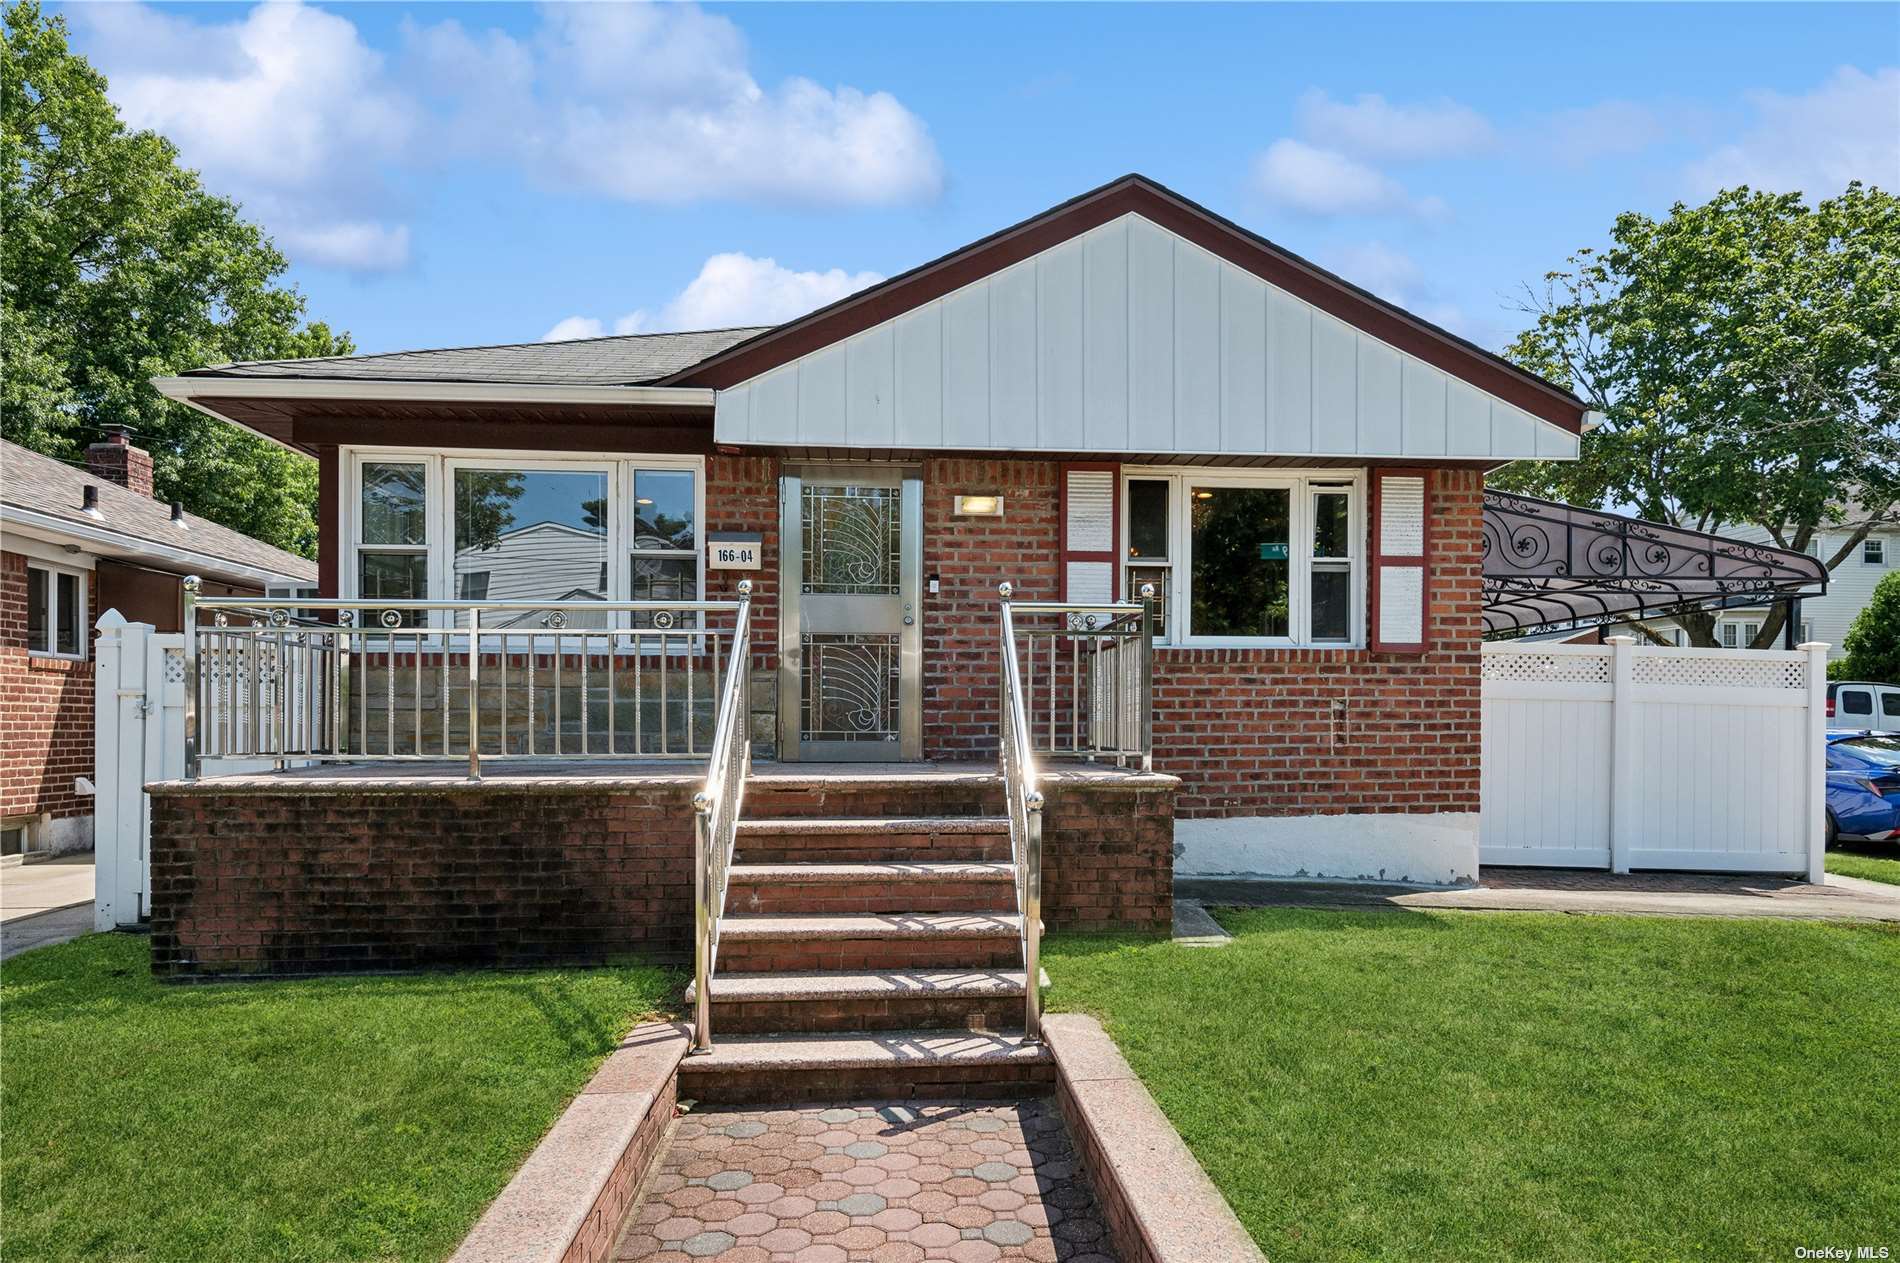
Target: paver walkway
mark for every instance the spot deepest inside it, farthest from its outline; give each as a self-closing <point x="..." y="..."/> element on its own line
<point x="903" y="1182"/>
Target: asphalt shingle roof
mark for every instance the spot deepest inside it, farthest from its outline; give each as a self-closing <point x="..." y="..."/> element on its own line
<point x="29" y="480"/>
<point x="624" y="360"/>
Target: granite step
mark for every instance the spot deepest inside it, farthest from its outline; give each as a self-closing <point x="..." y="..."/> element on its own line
<point x="870" y="838"/>
<point x="955" y="999"/>
<point x="887" y="886"/>
<point x="896" y="1065"/>
<point x="869" y="941"/>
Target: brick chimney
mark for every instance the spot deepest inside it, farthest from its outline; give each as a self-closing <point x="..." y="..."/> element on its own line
<point x="116" y="460"/>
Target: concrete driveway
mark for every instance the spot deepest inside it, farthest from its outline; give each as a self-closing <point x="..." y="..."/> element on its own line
<point x="49" y="901"/>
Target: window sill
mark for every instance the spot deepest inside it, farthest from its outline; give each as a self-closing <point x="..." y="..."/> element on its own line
<point x="54" y="661"/>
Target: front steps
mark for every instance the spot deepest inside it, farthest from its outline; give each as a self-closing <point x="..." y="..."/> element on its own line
<point x="870" y="944"/>
<point x="895" y="1000"/>
<point x="905" y="1065"/>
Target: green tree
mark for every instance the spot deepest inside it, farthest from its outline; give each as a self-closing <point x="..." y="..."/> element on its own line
<point x="117" y="266"/>
<point x="1873" y="642"/>
<point x="1746" y="357"/>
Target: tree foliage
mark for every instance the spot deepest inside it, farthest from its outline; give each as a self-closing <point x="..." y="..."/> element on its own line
<point x="116" y="265"/>
<point x="1873" y="642"/>
<point x="1746" y="357"/>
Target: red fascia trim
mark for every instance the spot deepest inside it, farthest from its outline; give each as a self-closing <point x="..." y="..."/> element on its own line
<point x="1171" y="211"/>
<point x="1068" y="554"/>
<point x="1379" y="561"/>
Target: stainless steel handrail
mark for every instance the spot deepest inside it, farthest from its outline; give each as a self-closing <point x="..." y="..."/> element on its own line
<point x="1094" y="700"/>
<point x="716" y="816"/>
<point x="273" y="678"/>
<point x="1023" y="800"/>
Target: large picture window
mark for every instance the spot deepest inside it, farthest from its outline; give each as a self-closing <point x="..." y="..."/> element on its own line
<point x="1249" y="559"/>
<point x="524" y="527"/>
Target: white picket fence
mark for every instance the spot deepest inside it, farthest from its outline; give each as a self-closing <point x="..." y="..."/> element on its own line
<point x="138" y="736"/>
<point x="1625" y="756"/>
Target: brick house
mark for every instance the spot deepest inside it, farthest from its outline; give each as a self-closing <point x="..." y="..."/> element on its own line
<point x="79" y="542"/>
<point x="1126" y="390"/>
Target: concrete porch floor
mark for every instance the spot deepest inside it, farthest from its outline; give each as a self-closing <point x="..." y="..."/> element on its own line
<point x="655" y="773"/>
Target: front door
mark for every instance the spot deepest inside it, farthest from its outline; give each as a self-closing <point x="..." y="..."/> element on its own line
<point x="850" y="630"/>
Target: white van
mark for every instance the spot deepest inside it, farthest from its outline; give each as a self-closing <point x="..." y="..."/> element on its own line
<point x="1858" y="704"/>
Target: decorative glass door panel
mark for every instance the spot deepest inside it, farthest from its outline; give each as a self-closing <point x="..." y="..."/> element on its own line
<point x="850" y="637"/>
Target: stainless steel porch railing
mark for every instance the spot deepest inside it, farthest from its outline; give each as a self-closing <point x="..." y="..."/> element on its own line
<point x="1088" y="678"/>
<point x="303" y="679"/>
<point x="1023" y="800"/>
<point x="1097" y="704"/>
<point x="716" y="815"/>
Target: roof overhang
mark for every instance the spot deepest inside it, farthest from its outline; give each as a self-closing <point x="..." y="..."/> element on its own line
<point x="276" y="408"/>
<point x="110" y="543"/>
<point x="1550" y="565"/>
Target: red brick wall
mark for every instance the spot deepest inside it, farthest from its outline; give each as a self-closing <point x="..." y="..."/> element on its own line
<point x="289" y="882"/>
<point x="45" y="711"/>
<point x="1250" y="731"/>
<point x="254" y="878"/>
<point x="1259" y="732"/>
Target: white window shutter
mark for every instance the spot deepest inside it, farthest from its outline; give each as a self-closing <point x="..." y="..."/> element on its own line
<point x="1401" y="548"/>
<point x="1089" y="499"/>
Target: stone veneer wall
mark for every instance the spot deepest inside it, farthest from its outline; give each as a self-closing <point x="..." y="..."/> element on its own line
<point x="255" y="876"/>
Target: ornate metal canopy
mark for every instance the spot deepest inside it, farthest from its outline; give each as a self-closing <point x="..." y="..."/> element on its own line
<point x="1548" y="564"/>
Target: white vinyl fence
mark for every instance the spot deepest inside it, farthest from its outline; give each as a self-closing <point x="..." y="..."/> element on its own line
<point x="1625" y="756"/>
<point x="138" y="736"/>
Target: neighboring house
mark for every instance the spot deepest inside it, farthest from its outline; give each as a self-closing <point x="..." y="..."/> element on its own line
<point x="1825" y="618"/>
<point x="1125" y="389"/>
<point x="77" y="542"/>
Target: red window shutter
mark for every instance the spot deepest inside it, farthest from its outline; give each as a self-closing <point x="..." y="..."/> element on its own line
<point x="1401" y="560"/>
<point x="1091" y="527"/>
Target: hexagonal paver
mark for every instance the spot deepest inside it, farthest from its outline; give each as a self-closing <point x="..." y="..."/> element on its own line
<point x="909" y="1182"/>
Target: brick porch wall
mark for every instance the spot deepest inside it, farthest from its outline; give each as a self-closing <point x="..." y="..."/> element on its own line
<point x="253" y="878"/>
<point x="46" y="711"/>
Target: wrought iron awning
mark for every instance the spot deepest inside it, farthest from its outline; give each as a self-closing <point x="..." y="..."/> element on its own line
<point x="1549" y="565"/>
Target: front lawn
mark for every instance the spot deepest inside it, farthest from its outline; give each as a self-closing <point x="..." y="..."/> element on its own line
<point x="324" y="1120"/>
<point x="1882" y="865"/>
<point x="1464" y="1086"/>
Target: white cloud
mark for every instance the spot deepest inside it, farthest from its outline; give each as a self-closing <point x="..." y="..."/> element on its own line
<point x="731" y="290"/>
<point x="285" y="109"/>
<point x="1372" y="127"/>
<point x="656" y="103"/>
<point x="1576" y="136"/>
<point x="1815" y="142"/>
<point x="1316" y="181"/>
<point x="1396" y="277"/>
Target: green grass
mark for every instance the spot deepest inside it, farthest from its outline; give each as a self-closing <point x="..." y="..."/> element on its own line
<point x="1881" y="866"/>
<point x="325" y="1120"/>
<point x="1467" y="1086"/>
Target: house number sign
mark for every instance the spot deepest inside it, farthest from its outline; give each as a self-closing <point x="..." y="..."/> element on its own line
<point x="733" y="550"/>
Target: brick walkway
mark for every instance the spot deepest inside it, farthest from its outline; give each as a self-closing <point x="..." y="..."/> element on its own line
<point x="906" y="1182"/>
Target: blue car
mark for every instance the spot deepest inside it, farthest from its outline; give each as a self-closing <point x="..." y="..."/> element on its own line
<point x="1863" y="786"/>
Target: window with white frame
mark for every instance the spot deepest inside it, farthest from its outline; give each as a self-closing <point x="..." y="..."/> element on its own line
<point x="1248" y="559"/>
<point x="55" y="611"/>
<point x="524" y="527"/>
<point x="1873" y="551"/>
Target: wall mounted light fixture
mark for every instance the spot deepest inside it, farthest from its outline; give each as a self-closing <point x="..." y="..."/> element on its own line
<point x="979" y="506"/>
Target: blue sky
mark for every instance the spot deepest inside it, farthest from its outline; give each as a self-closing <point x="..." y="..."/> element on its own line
<point x="456" y="174"/>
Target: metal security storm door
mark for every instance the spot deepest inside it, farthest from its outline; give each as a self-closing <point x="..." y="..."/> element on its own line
<point x="851" y="631"/>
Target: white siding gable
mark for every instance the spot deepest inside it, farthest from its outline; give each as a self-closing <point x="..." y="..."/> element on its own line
<point x="1131" y="339"/>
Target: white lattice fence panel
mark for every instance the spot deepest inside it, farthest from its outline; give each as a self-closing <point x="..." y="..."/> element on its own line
<point x="1709" y="672"/>
<point x="1531" y="666"/>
